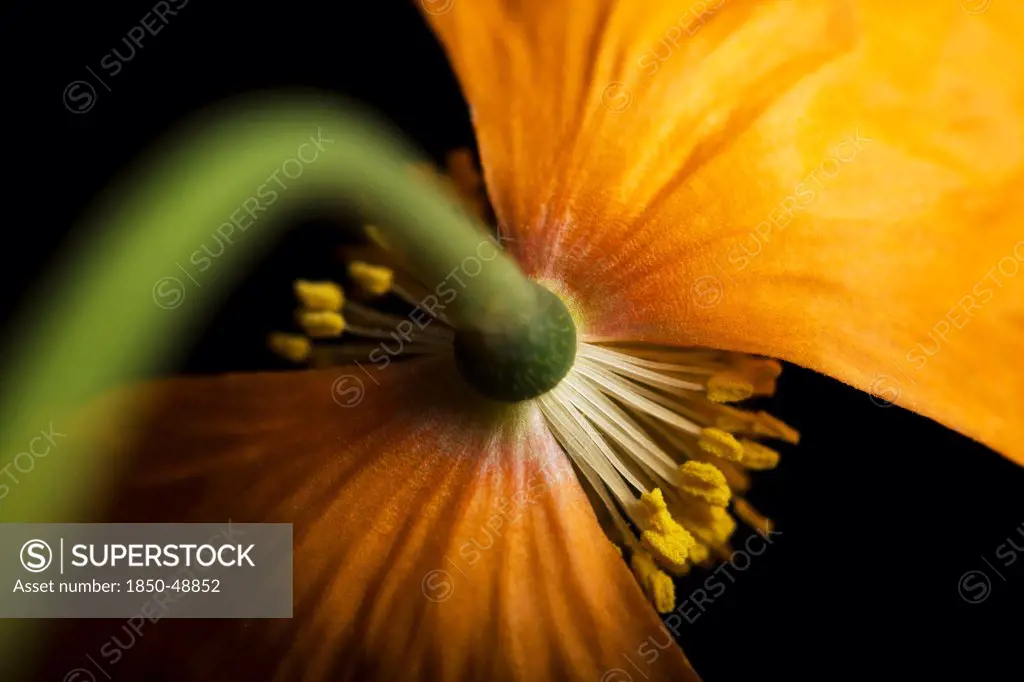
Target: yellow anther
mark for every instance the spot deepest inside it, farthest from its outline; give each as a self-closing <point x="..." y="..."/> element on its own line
<point x="656" y="584"/>
<point x="700" y="553"/>
<point x="706" y="482"/>
<point x="728" y="388"/>
<point x="326" y="296"/>
<point x="289" y="346"/>
<point x="669" y="542"/>
<point x="757" y="456"/>
<point x="720" y="444"/>
<point x="671" y="548"/>
<point x="320" y="323"/>
<point x="374" y="279"/>
<point x="723" y="525"/>
<point x="751" y="516"/>
<point x="654" y="501"/>
<point x="712" y="526"/>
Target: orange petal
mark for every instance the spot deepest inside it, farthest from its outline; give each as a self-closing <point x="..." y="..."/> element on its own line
<point x="435" y="538"/>
<point x="834" y="184"/>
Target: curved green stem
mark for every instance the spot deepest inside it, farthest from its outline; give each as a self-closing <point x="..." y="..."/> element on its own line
<point x="137" y="283"/>
<point x="133" y="290"/>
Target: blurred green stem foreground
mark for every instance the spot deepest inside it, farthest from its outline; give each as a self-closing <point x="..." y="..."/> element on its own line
<point x="124" y="301"/>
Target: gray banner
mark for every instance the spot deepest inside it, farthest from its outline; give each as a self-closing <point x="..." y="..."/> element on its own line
<point x="162" y="570"/>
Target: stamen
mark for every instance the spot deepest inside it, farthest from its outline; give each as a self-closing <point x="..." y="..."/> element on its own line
<point x="393" y="335"/>
<point x="356" y="314"/>
<point x="658" y="586"/>
<point x="712" y="526"/>
<point x="621" y="390"/>
<point x="757" y="456"/>
<point x="327" y="315"/>
<point x="324" y="296"/>
<point x="767" y="425"/>
<point x="720" y="444"/>
<point x="375" y="280"/>
<point x="728" y="388"/>
<point x="289" y="346"/>
<point x="751" y="516"/>
<point x="576" y="439"/>
<point x="417" y="299"/>
<point x="581" y="422"/>
<point x="733" y="420"/>
<point x="320" y="324"/>
<point x="665" y="538"/>
<point x="624" y="431"/>
<point x="700" y="553"/>
<point x="760" y="372"/>
<point x="649" y="433"/>
<point x="705" y="481"/>
<point x="621" y="364"/>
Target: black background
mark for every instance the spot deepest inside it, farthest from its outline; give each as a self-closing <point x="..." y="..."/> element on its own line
<point x="881" y="511"/>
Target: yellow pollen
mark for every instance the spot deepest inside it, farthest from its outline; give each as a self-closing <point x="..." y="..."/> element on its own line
<point x="706" y="482"/>
<point x="718" y="526"/>
<point x="700" y="553"/>
<point x="757" y="456"/>
<point x="728" y="388"/>
<point x="325" y="296"/>
<point x="374" y="279"/>
<point x="720" y="444"/>
<point x="711" y="525"/>
<point x="669" y="542"/>
<point x="321" y="324"/>
<point x="655" y="582"/>
<point x="723" y="525"/>
<point x="289" y="346"/>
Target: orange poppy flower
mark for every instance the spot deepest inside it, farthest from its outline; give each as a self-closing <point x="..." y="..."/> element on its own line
<point x="704" y="185"/>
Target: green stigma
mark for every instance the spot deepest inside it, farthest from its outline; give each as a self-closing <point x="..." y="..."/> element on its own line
<point x="520" y="356"/>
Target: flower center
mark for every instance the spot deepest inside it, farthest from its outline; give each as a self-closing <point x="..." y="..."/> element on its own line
<point x="522" y="356"/>
<point x="663" y="456"/>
